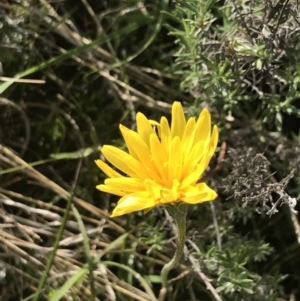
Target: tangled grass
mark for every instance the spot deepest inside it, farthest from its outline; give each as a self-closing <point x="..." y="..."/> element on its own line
<point x="71" y="71"/>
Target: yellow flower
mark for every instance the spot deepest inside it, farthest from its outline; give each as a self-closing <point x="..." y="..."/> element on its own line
<point x="161" y="168"/>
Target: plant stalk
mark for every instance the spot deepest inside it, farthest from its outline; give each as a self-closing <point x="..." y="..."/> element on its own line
<point x="178" y="212"/>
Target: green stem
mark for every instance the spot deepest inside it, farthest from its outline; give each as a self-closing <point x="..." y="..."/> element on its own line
<point x="178" y="212"/>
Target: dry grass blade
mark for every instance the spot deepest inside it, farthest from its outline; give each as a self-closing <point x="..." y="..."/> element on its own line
<point x="19" y="80"/>
<point x="99" y="60"/>
<point x="27" y="239"/>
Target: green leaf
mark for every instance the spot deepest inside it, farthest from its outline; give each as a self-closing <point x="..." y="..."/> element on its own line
<point x="76" y="278"/>
<point x="190" y="7"/>
<point x="248" y="290"/>
<point x="139" y="277"/>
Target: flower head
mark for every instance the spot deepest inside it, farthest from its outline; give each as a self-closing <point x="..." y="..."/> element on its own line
<point x="163" y="166"/>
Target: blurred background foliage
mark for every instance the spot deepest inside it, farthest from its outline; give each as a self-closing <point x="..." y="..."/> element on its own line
<point x="101" y="62"/>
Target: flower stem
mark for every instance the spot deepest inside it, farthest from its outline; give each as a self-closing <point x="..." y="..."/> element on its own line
<point x="178" y="212"/>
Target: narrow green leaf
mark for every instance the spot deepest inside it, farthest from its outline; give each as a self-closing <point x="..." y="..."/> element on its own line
<point x="78" y="277"/>
<point x="142" y="281"/>
<point x="73" y="52"/>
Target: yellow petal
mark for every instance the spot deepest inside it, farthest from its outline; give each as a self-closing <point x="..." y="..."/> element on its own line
<point x="178" y="120"/>
<point x="211" y="148"/>
<point x="214" y="140"/>
<point x="138" y="168"/>
<point x="175" y="160"/>
<point x="188" y="136"/>
<point x="119" y="159"/>
<point x="165" y="134"/>
<point x="156" y="127"/>
<point x="159" y="158"/>
<point x="144" y="155"/>
<point x="125" y="184"/>
<point x="141" y="148"/>
<point x="193" y="176"/>
<point x="153" y="189"/>
<point x="144" y="128"/>
<point x="125" y="133"/>
<point x="133" y="202"/>
<point x="159" y="155"/>
<point x="203" y="127"/>
<point x="107" y="189"/>
<point x="111" y="173"/>
<point x="169" y="196"/>
<point x="200" y="194"/>
<point x="192" y="159"/>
